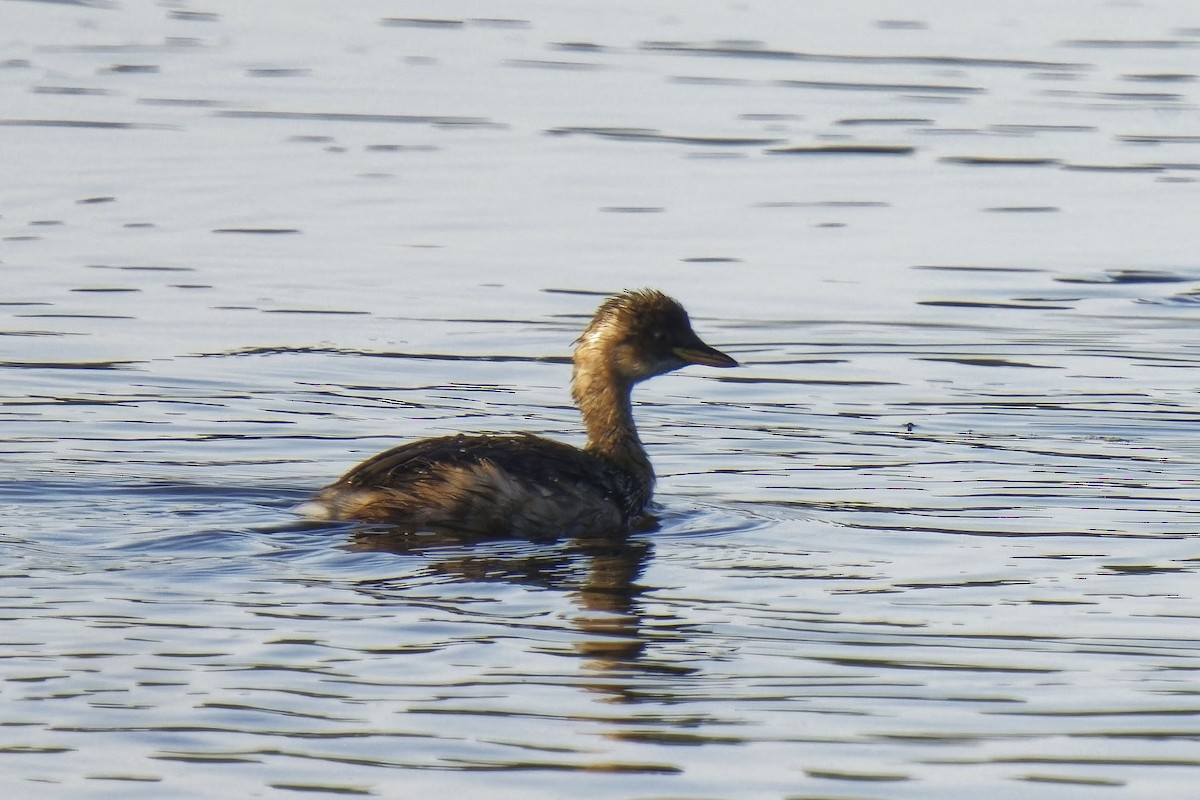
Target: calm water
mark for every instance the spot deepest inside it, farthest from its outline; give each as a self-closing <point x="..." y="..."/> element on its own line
<point x="938" y="538"/>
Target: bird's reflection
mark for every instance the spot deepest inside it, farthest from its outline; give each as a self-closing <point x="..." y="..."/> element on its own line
<point x="599" y="575"/>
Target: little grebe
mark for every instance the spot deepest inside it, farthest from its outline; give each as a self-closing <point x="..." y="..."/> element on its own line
<point x="524" y="485"/>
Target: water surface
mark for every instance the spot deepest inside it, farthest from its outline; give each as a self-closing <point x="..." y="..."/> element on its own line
<point x="936" y="538"/>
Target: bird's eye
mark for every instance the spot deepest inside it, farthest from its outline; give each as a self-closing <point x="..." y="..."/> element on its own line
<point x="659" y="336"/>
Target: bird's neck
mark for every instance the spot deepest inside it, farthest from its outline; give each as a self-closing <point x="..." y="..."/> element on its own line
<point x="603" y="398"/>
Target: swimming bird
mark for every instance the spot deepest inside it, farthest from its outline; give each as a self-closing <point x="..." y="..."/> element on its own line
<point x="529" y="486"/>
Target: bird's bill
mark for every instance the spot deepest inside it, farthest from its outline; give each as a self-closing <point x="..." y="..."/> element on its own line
<point x="700" y="353"/>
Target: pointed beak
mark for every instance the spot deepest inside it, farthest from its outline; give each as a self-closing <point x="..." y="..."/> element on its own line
<point x="700" y="353"/>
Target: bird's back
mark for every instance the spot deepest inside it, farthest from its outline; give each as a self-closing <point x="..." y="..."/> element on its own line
<point x="516" y="485"/>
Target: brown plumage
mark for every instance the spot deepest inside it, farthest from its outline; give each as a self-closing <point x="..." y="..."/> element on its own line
<point x="529" y="486"/>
